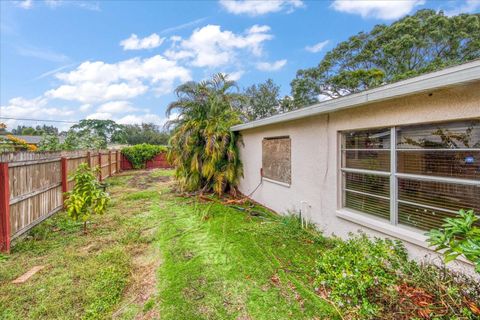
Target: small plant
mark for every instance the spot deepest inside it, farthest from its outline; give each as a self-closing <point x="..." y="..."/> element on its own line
<point x="87" y="197"/>
<point x="139" y="154"/>
<point x="355" y="272"/>
<point x="458" y="236"/>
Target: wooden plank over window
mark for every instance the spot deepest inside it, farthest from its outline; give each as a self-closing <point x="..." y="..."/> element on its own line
<point x="276" y="159"/>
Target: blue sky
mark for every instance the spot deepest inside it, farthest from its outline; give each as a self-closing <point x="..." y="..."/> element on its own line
<point x="121" y="60"/>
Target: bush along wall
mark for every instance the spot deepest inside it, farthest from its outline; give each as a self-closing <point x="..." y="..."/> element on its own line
<point x="139" y="154"/>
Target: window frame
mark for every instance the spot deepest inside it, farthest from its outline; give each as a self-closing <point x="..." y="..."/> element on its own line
<point x="272" y="180"/>
<point x="394" y="176"/>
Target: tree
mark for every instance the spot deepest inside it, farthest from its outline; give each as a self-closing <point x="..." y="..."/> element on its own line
<point x="37" y="131"/>
<point x="44" y="129"/>
<point x="148" y="133"/>
<point x="73" y="141"/>
<point x="3" y="129"/>
<point x="49" y="142"/>
<point x="202" y="148"/>
<point x="107" y="130"/>
<point x="262" y="100"/>
<point x="29" y="131"/>
<point x="287" y="104"/>
<point x="83" y="140"/>
<point x="87" y="197"/>
<point x="423" y="42"/>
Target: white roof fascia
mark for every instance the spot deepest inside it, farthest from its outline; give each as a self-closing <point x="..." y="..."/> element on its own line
<point x="447" y="77"/>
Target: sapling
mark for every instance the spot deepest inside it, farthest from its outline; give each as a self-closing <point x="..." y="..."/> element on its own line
<point x="87" y="197"/>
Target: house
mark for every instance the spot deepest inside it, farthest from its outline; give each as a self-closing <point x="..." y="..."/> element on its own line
<point x="391" y="161"/>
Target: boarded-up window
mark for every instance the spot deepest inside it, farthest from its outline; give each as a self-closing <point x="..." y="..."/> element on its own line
<point x="276" y="159"/>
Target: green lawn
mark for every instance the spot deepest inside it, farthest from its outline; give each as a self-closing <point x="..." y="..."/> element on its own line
<point x="156" y="255"/>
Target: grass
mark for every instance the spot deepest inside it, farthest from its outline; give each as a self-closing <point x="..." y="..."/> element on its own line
<point x="158" y="255"/>
<point x="155" y="254"/>
<point x="234" y="266"/>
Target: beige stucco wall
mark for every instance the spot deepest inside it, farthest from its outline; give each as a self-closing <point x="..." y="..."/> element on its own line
<point x="315" y="150"/>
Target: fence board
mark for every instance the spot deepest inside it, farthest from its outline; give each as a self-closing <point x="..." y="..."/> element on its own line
<point x="35" y="185"/>
<point x="105" y="165"/>
<point x="28" y="179"/>
<point x="72" y="165"/>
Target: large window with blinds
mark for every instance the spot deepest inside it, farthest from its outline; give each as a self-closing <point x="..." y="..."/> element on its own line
<point x="412" y="175"/>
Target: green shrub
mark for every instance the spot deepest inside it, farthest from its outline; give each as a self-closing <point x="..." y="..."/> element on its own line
<point x="357" y="269"/>
<point x="139" y="154"/>
<point x="458" y="236"/>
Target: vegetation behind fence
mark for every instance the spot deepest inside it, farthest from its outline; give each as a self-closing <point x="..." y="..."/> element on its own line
<point x="32" y="185"/>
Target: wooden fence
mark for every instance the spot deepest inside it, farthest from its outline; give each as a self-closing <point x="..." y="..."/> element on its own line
<point x="159" y="161"/>
<point x="32" y="186"/>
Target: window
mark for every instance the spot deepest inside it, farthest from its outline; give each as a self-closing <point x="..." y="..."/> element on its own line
<point x="276" y="159"/>
<point x="366" y="167"/>
<point x="413" y="175"/>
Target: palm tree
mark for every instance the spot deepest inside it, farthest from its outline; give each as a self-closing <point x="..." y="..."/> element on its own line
<point x="202" y="147"/>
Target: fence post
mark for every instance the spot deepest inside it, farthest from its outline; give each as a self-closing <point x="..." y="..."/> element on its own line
<point x="89" y="160"/>
<point x="109" y="163"/>
<point x="4" y="208"/>
<point x="119" y="164"/>
<point x="64" y="173"/>
<point x="100" y="165"/>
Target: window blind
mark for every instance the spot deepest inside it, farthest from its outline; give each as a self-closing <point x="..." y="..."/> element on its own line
<point x="436" y="172"/>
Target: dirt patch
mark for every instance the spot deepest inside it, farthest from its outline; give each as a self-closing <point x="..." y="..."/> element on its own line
<point x="144" y="180"/>
<point x="143" y="284"/>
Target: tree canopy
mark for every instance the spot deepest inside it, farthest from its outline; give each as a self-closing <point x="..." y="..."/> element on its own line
<point x="149" y="133"/>
<point x="35" y="131"/>
<point x="416" y="44"/>
<point x="263" y="100"/>
<point x="104" y="130"/>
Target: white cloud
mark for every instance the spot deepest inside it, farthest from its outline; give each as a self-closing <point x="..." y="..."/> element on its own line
<point x="271" y="66"/>
<point x="87" y="5"/>
<point x="260" y="7"/>
<point x="142" y="118"/>
<point x="467" y="7"/>
<point x="36" y="108"/>
<point x="98" y="81"/>
<point x="135" y="43"/>
<point x="121" y="106"/>
<point x="156" y="68"/>
<point x="236" y="75"/>
<point x="89" y="92"/>
<point x="99" y="116"/>
<point x="258" y="29"/>
<point x="85" y="107"/>
<point x="317" y="47"/>
<point x="129" y="118"/>
<point x="25" y="4"/>
<point x="53" y="4"/>
<point x="386" y="10"/>
<point x="209" y="46"/>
